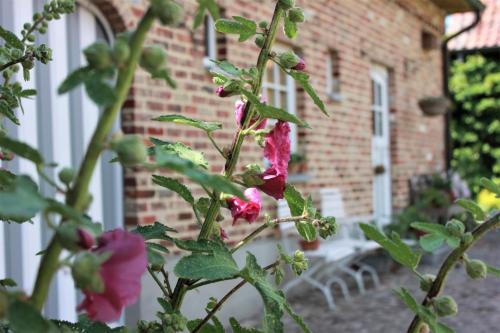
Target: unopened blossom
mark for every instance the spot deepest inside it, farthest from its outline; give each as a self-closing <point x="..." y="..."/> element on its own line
<point x="249" y="210"/>
<point x="301" y="66"/>
<point x="221" y="92"/>
<point x="86" y="240"/>
<point x="121" y="274"/>
<point x="239" y="110"/>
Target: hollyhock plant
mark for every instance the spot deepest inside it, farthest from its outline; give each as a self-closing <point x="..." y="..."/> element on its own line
<point x="301" y="66"/>
<point x="239" y="110"/>
<point x="121" y="274"/>
<point x="249" y="210"/>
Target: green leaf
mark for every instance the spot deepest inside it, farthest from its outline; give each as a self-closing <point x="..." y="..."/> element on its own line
<point x="237" y="328"/>
<point x="240" y="26"/>
<point x="100" y="92"/>
<point x="227" y="69"/>
<point x="154" y="257"/>
<point x="21" y="149"/>
<point x="306" y="230"/>
<point x="298" y="319"/>
<point x="204" y="5"/>
<point x="27" y="93"/>
<point x="211" y="260"/>
<point x="74" y="79"/>
<point x="175" y="186"/>
<point x="207" y="328"/>
<point x="290" y="28"/>
<point x="186" y="153"/>
<point x="178" y="119"/>
<point x="472" y="208"/>
<point x="271" y="112"/>
<point x="24" y="318"/>
<point x="408" y="299"/>
<point x="156" y="231"/>
<point x="431" y="228"/>
<point x="493" y="271"/>
<point x="20" y="201"/>
<point x="8" y="283"/>
<point x="11" y="39"/>
<point x="431" y="242"/>
<point x="491" y="186"/>
<point x="164" y="75"/>
<point x="7" y="111"/>
<point x="398" y="250"/>
<point x="294" y="199"/>
<point x="203" y="205"/>
<point x="303" y="80"/>
<point x="86" y="326"/>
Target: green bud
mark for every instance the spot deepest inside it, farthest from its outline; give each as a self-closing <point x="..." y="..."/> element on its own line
<point x="121" y="52"/>
<point x="28" y="64"/>
<point x="426" y="282"/>
<point x="85" y="271"/>
<point x="42" y="30"/>
<point x="16" y="53"/>
<point x="288" y="59"/>
<point x="445" y="306"/>
<point x="296" y="15"/>
<point x="31" y="38"/>
<point x="98" y="55"/>
<point x="67" y="235"/>
<point x="37" y="16"/>
<point x="287" y="4"/>
<point x="260" y="40"/>
<point x="455" y="228"/>
<point x="167" y="11"/>
<point x="67" y="175"/>
<point x="424" y="328"/>
<point x="467" y="238"/>
<point x="130" y="150"/>
<point x="153" y="58"/>
<point x="263" y="24"/>
<point x="476" y="269"/>
<point x="27" y="26"/>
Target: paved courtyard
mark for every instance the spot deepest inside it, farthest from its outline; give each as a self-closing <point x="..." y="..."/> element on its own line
<point x="380" y="311"/>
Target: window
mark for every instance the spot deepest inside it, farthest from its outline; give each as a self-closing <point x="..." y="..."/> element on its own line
<point x="279" y="91"/>
<point x="333" y="75"/>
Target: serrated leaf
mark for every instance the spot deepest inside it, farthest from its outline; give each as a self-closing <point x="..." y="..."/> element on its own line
<point x="398" y="250"/>
<point x="303" y="80"/>
<point x="431" y="242"/>
<point x="237" y="328"/>
<point x="473" y="208"/>
<point x="21" y="149"/>
<point x="408" y="299"/>
<point x="99" y="91"/>
<point x="436" y="232"/>
<point x="24" y="318"/>
<point x="271" y="112"/>
<point x="154" y="258"/>
<point x="74" y="79"/>
<point x="175" y="186"/>
<point x="430" y="227"/>
<point x="306" y="230"/>
<point x="156" y="231"/>
<point x="157" y="247"/>
<point x="186" y="153"/>
<point x="290" y="28"/>
<point x="6" y="110"/>
<point x="491" y="186"/>
<point x="226" y="68"/>
<point x="167" y="307"/>
<point x="11" y="39"/>
<point x="214" y="262"/>
<point x="178" y="119"/>
<point x="298" y="319"/>
<point x="294" y="199"/>
<point x="207" y="328"/>
<point x="239" y="26"/>
<point x="20" y="201"/>
<point x="86" y="326"/>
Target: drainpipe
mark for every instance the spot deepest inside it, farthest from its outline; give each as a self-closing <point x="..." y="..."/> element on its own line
<point x="478" y="11"/>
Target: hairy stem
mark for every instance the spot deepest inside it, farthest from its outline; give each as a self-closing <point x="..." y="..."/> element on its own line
<point x="453" y="258"/>
<point x="77" y="195"/>
<point x="158" y="282"/>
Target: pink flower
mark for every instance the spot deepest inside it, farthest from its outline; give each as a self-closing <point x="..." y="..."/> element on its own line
<point x="121" y="275"/>
<point x="301" y="66"/>
<point x="246" y="210"/>
<point x="277" y="152"/>
<point x="239" y="110"/>
<point x="86" y="240"/>
<point x="221" y="92"/>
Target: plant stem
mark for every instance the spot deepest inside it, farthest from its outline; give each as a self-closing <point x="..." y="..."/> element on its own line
<point x="454" y="257"/>
<point x="167" y="282"/>
<point x="76" y="197"/>
<point x="158" y="282"/>
<point x="232" y="157"/>
<point x="27" y="56"/>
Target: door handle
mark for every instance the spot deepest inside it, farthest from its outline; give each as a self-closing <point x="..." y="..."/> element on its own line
<point x="379" y="169"/>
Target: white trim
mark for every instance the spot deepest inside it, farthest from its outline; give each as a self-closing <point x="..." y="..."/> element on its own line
<point x="93" y="9"/>
<point x="210" y="43"/>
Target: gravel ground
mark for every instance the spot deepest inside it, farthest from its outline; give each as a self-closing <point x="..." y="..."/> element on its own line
<point x="380" y="311"/>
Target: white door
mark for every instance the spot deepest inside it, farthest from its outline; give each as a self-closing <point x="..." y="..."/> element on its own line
<point x="60" y="127"/>
<point x="381" y="159"/>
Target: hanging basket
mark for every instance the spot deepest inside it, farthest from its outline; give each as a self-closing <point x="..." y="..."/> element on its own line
<point x="434" y="106"/>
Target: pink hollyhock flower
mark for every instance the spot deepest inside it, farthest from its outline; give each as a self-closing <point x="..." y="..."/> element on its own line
<point x="86" y="240"/>
<point x="277" y="152"/>
<point x="301" y="66"/>
<point x="239" y="110"/>
<point x="221" y="92"/>
<point x="246" y="210"/>
<point x="121" y="275"/>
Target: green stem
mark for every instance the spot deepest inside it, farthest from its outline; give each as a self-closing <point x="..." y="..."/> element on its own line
<point x="158" y="282"/>
<point x="234" y="154"/>
<point x="77" y="196"/>
<point x="454" y="257"/>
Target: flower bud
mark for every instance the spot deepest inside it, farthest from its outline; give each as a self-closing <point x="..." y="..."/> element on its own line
<point x="130" y="150"/>
<point x="445" y="306"/>
<point x="467" y="238"/>
<point x="28" y="64"/>
<point x="263" y="24"/>
<point x="85" y="271"/>
<point x="426" y="282"/>
<point x="98" y="55"/>
<point x="167" y="11"/>
<point x="301" y="66"/>
<point x="287" y="4"/>
<point x="67" y="175"/>
<point x="121" y="52"/>
<point x="260" y="40"/>
<point x="424" y="328"/>
<point x="153" y="58"/>
<point x="288" y="59"/>
<point x="476" y="269"/>
<point x="229" y="89"/>
<point x="74" y="238"/>
<point x="296" y="15"/>
<point x="455" y="228"/>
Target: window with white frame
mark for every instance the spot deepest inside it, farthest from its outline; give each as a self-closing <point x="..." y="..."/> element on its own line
<point x="279" y="91"/>
<point x="333" y="75"/>
<point x="210" y="42"/>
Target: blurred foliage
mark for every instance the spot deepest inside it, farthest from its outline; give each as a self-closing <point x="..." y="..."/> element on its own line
<point x="475" y="85"/>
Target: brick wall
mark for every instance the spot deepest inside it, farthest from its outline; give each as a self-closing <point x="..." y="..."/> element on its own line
<point x="338" y="149"/>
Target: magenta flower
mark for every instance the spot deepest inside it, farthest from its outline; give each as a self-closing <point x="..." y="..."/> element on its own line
<point x="301" y="66"/>
<point x="239" y="110"/>
<point x="277" y="152"/>
<point x="121" y="275"/>
<point x="86" y="240"/>
<point x="221" y="92"/>
<point x="246" y="210"/>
